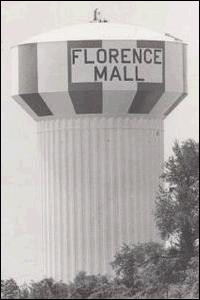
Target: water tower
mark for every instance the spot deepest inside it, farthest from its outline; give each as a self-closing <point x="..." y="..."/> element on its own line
<point x="99" y="93"/>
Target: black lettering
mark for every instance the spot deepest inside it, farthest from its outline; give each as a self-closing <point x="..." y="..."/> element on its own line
<point x="113" y="54"/>
<point x="124" y="56"/>
<point x="101" y="56"/>
<point x="115" y="74"/>
<point x="137" y="76"/>
<point x="137" y="57"/>
<point x="74" y="55"/>
<point x="125" y="75"/>
<point x="148" y="61"/>
<point x="100" y="74"/>
<point x="157" y="56"/>
<point x="86" y="58"/>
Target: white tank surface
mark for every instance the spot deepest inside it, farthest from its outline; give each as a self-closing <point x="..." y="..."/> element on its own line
<point x="100" y="93"/>
<point x="99" y="68"/>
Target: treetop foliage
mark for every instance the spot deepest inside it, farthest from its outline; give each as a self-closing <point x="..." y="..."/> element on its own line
<point x="177" y="205"/>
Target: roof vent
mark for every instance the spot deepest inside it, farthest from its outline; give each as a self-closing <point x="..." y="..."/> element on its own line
<point x="97" y="17"/>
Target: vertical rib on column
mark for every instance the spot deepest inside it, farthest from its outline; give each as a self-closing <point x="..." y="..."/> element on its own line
<point x="64" y="212"/>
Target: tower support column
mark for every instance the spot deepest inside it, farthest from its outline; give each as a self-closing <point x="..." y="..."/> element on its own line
<point x="99" y="179"/>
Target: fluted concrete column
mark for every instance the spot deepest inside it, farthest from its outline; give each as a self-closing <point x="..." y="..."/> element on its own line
<point x="99" y="178"/>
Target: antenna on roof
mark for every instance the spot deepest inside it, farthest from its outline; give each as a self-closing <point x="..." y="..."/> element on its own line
<point x="172" y="36"/>
<point x="97" y="17"/>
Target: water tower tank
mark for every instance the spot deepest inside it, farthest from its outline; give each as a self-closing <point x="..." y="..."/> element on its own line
<point x="99" y="93"/>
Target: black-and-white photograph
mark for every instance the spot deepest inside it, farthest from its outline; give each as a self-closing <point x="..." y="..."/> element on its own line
<point x="100" y="150"/>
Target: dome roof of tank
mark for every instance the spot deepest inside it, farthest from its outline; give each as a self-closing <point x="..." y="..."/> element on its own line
<point x="99" y="31"/>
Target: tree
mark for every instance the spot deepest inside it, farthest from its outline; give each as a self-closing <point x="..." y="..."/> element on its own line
<point x="191" y="283"/>
<point x="60" y="290"/>
<point x="125" y="265"/>
<point x="177" y="205"/>
<point x="42" y="289"/>
<point x="189" y="287"/>
<point x="24" y="291"/>
<point x="145" y="270"/>
<point x="110" y="290"/>
<point x="84" y="285"/>
<point x="9" y="289"/>
<point x="48" y="289"/>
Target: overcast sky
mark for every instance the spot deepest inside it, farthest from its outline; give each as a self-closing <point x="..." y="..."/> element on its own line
<point x="21" y="209"/>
